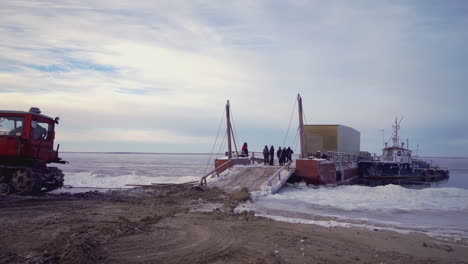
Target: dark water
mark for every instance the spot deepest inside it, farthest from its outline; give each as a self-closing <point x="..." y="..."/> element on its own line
<point x="458" y="168"/>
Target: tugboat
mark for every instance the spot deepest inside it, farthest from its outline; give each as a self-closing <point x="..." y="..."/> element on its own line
<point x="396" y="163"/>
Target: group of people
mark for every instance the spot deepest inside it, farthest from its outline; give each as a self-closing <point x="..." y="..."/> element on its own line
<point x="284" y="155"/>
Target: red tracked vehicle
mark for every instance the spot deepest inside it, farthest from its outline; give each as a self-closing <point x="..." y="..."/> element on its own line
<point x="26" y="146"/>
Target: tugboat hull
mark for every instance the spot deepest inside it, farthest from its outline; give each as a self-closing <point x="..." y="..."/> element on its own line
<point x="381" y="170"/>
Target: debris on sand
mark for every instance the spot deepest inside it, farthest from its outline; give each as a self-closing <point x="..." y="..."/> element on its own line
<point x="243" y="195"/>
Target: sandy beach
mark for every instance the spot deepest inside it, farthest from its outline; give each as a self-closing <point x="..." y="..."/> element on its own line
<point x="183" y="224"/>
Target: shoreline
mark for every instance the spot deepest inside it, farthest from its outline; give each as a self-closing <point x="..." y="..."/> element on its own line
<point x="185" y="224"/>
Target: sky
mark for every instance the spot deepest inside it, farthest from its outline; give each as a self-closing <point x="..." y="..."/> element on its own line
<point x="154" y="76"/>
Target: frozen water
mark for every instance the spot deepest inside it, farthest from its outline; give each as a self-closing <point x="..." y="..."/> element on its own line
<point x="110" y="170"/>
<point x="388" y="197"/>
<point x="441" y="210"/>
<point x="89" y="179"/>
<point x="443" y="222"/>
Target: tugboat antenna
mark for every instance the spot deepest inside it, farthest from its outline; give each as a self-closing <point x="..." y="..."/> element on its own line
<point x="396" y="128"/>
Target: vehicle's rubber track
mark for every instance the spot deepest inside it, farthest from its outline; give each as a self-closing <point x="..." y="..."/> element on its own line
<point x="32" y="181"/>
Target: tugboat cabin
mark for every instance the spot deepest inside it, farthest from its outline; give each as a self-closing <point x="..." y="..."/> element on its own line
<point x="396" y="154"/>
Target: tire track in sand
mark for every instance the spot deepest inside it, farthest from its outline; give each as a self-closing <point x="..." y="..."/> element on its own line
<point x="186" y="241"/>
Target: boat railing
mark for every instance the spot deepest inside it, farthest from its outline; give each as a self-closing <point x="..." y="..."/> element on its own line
<point x="343" y="159"/>
<point x="203" y="179"/>
<point x="375" y="157"/>
<point x="278" y="173"/>
<point x="256" y="156"/>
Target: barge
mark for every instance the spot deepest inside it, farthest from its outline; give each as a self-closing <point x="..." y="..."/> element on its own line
<point x="329" y="153"/>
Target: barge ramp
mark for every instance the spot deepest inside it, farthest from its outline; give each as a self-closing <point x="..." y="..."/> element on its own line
<point x="254" y="178"/>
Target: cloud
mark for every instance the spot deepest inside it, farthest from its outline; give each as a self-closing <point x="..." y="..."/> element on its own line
<point x="141" y="91"/>
<point x="129" y="135"/>
<point x="171" y="66"/>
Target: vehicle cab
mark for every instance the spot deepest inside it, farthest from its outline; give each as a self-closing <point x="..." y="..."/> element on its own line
<point x="27" y="138"/>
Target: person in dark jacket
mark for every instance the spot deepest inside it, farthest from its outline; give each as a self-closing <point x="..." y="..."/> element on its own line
<point x="284" y="155"/>
<point x="278" y="154"/>
<point x="245" y="150"/>
<point x="324" y="156"/>
<point x="272" y="155"/>
<point x="266" y="155"/>
<point x="290" y="152"/>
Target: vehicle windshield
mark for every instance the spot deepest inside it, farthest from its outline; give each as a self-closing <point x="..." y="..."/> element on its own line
<point x="11" y="125"/>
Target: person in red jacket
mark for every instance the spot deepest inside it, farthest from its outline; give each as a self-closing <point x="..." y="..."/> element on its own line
<point x="245" y="150"/>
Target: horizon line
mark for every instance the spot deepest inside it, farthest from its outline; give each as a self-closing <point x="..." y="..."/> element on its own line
<point x="204" y="153"/>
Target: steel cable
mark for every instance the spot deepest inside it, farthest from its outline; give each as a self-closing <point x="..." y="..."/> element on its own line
<point x="222" y="145"/>
<point x="289" y="125"/>
<point x="234" y="131"/>
<point x="216" y="140"/>
<point x="294" y="144"/>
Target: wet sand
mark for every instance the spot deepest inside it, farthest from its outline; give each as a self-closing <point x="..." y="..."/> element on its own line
<point x="177" y="224"/>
